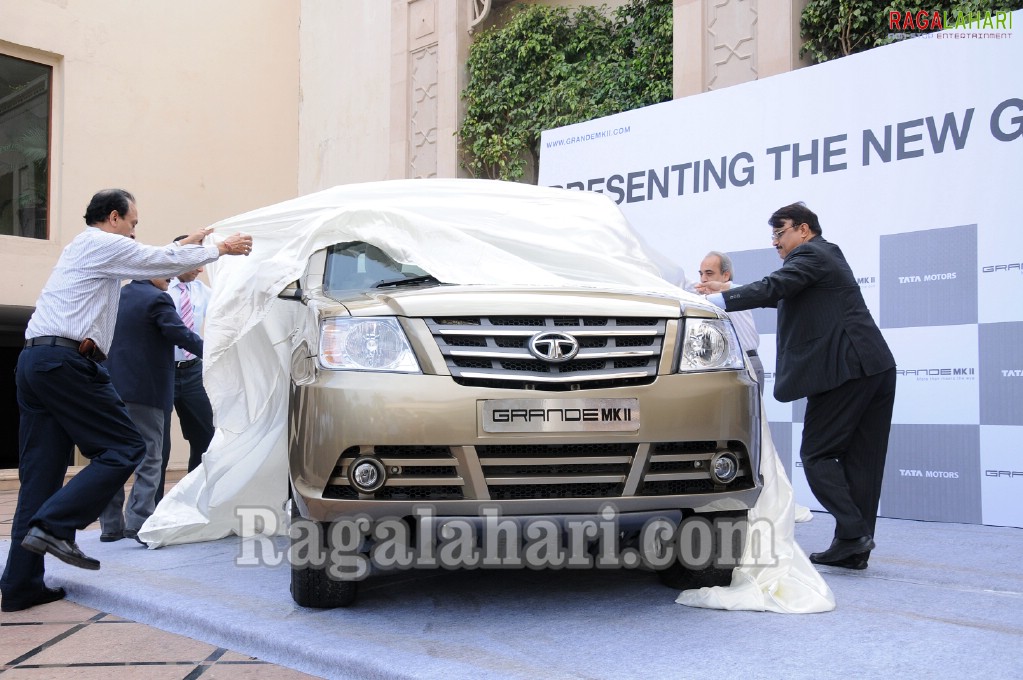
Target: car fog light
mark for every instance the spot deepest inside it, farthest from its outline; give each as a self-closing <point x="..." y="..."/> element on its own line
<point x="724" y="466"/>
<point x="367" y="474"/>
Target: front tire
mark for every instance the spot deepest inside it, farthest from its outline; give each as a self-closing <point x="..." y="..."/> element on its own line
<point x="313" y="587"/>
<point x="679" y="578"/>
<point x="726" y="530"/>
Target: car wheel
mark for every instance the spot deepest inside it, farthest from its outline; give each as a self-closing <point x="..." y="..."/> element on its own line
<point x="312" y="586"/>
<point x="678" y="577"/>
<point x="726" y="532"/>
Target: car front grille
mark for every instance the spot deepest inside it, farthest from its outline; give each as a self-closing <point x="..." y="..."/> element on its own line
<point x="542" y="471"/>
<point x="494" y="351"/>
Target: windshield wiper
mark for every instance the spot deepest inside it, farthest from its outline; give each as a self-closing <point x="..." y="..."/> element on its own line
<point x="412" y="281"/>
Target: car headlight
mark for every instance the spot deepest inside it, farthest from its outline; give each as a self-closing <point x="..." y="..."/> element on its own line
<point x="709" y="345"/>
<point x="370" y="344"/>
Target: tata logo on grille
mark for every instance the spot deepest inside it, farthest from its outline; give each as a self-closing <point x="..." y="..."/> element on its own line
<point x="553" y="347"/>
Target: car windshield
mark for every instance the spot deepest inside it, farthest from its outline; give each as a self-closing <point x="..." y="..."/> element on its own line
<point x="361" y="266"/>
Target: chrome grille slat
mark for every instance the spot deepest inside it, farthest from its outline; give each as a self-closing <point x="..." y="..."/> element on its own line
<point x="569" y="377"/>
<point x="583" y="354"/>
<point x="408" y="481"/>
<point x="560" y="460"/>
<point x="424" y="481"/>
<point x="493" y="351"/>
<point x="517" y="332"/>
<point x="668" y="476"/>
<point x="680" y="457"/>
<point x="415" y="462"/>
<point x="555" y="479"/>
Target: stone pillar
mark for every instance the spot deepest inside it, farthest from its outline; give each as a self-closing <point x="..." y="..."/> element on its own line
<point x="718" y="43"/>
<point x="430" y="40"/>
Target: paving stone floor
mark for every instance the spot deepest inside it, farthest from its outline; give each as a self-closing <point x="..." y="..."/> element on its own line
<point x="64" y="640"/>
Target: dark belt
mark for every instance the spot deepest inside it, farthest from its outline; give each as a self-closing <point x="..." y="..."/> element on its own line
<point x="87" y="348"/>
<point x="187" y="364"/>
<point x="752" y="352"/>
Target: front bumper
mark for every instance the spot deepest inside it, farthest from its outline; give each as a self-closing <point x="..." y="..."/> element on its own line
<point x="427" y="432"/>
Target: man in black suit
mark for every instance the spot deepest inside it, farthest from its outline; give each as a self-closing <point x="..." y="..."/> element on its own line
<point x="831" y="352"/>
<point x="141" y="365"/>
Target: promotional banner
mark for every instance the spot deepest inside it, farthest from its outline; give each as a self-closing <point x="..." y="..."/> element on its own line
<point x="912" y="157"/>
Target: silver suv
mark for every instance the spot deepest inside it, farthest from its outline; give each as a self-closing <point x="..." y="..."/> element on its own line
<point x="413" y="398"/>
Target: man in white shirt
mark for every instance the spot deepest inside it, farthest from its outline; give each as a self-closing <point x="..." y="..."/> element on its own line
<point x="191" y="298"/>
<point x="65" y="396"/>
<point x="717" y="266"/>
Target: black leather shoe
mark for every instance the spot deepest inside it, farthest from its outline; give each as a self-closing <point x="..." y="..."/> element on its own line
<point x="42" y="542"/>
<point x="111" y="537"/>
<point x="134" y="535"/>
<point x="45" y="596"/>
<point x="858" y="562"/>
<point x="842" y="549"/>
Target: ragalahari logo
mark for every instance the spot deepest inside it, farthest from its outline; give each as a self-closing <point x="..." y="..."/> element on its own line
<point x="949" y="25"/>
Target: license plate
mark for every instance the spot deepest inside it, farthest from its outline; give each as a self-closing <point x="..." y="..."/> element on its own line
<point x="561" y="415"/>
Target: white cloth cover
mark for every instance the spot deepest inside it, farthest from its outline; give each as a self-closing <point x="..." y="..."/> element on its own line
<point x="775" y="575"/>
<point x="461" y="231"/>
<point x="803" y="513"/>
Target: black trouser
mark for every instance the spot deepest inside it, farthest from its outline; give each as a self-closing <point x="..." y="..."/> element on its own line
<point x="845" y="443"/>
<point x="195" y="416"/>
<point x="64" y="399"/>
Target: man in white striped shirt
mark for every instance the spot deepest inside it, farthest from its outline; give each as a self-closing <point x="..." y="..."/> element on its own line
<point x="65" y="397"/>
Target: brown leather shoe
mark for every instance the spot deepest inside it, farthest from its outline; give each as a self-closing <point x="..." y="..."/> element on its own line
<point x="65" y="550"/>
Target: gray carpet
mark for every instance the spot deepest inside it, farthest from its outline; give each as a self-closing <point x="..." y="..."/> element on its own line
<point x="939" y="600"/>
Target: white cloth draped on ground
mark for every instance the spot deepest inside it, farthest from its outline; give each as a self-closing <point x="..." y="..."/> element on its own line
<point x="461" y="231"/>
<point x="775" y="574"/>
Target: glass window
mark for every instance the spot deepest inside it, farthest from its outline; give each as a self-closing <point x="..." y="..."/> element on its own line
<point x="360" y="266"/>
<point x="24" y="146"/>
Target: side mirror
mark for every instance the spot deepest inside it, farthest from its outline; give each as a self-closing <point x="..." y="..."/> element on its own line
<point x="293" y="291"/>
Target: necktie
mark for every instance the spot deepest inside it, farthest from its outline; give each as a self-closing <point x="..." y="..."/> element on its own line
<point x="185" y="308"/>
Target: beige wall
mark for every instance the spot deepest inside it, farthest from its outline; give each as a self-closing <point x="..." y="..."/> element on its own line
<point x="345" y="100"/>
<point x="720" y="43"/>
<point x="192" y="105"/>
<point x="141" y="95"/>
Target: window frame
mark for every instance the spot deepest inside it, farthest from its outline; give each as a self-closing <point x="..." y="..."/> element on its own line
<point x="21" y="171"/>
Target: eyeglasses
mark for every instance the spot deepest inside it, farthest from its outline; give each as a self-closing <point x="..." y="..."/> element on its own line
<point x="776" y="234"/>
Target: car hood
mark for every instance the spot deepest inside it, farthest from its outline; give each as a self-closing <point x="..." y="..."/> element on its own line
<point x="469" y="300"/>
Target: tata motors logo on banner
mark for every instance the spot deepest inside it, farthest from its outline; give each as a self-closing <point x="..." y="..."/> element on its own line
<point x="933" y="473"/>
<point x="1001" y="373"/>
<point x="928" y="278"/>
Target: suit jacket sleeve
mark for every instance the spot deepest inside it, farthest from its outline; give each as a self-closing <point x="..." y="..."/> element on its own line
<point x="165" y="315"/>
<point x="802" y="268"/>
<point x="826" y="335"/>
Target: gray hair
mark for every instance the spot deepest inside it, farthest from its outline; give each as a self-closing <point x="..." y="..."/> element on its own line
<point x="726" y="262"/>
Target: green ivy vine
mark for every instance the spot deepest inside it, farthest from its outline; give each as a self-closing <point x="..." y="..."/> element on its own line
<point x="543" y="67"/>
